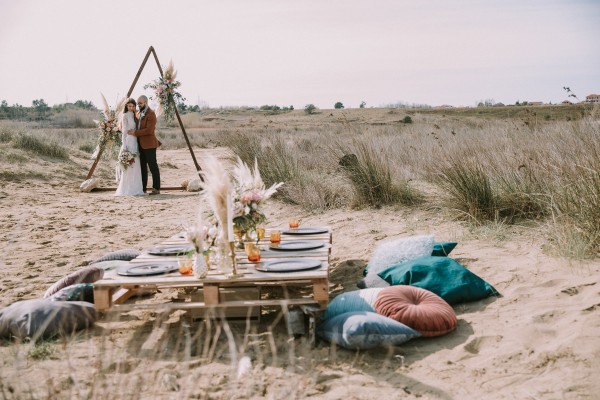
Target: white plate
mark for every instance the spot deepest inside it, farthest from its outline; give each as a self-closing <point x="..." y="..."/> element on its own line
<point x="305" y="231"/>
<point x="295" y="245"/>
<point x="146" y="269"/>
<point x="291" y="265"/>
<point x="172" y="250"/>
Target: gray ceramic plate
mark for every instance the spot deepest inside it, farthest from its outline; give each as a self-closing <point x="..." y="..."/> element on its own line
<point x="296" y="245"/>
<point x="145" y="269"/>
<point x="291" y="265"/>
<point x="172" y="250"/>
<point x="305" y="231"/>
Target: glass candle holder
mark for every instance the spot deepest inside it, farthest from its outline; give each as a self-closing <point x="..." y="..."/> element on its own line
<point x="275" y="236"/>
<point x="253" y="252"/>
<point x="185" y="265"/>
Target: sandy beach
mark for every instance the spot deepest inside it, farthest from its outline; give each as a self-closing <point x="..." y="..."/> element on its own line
<point x="538" y="341"/>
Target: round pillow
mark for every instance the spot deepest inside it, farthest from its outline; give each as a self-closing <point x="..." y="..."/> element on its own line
<point x="417" y="308"/>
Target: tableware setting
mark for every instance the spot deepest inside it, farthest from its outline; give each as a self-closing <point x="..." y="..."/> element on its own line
<point x="170" y="250"/>
<point x="146" y="269"/>
<point x="289" y="265"/>
<point x="295" y="245"/>
<point x="305" y="231"/>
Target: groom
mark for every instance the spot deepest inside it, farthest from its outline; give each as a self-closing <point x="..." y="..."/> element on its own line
<point x="147" y="141"/>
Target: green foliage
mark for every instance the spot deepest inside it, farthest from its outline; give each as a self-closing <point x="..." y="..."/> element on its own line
<point x="338" y="105"/>
<point x="407" y="120"/>
<point x="42" y="350"/>
<point x="6" y="135"/>
<point x="370" y="172"/>
<point x="35" y="145"/>
<point x="363" y="104"/>
<point x="87" y="147"/>
<point x="310" y="109"/>
<point x="267" y="107"/>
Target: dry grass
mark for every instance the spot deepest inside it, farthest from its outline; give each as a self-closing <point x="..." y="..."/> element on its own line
<point x="499" y="165"/>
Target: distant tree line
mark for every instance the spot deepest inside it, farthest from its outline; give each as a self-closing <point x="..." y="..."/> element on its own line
<point x="39" y="109"/>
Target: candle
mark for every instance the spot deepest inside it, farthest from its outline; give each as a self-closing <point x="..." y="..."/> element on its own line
<point x="229" y="217"/>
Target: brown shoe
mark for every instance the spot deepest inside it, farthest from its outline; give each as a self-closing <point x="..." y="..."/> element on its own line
<point x="155" y="191"/>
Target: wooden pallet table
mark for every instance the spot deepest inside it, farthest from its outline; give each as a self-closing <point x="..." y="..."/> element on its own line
<point x="112" y="292"/>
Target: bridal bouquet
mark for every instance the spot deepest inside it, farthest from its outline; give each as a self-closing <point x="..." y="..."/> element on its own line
<point x="250" y="194"/>
<point x="110" y="134"/>
<point x="165" y="92"/>
<point x="126" y="159"/>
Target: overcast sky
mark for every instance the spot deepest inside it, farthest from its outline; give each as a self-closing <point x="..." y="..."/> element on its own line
<point x="236" y="53"/>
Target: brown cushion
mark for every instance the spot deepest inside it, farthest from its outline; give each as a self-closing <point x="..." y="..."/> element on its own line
<point x="85" y="275"/>
<point x="417" y="308"/>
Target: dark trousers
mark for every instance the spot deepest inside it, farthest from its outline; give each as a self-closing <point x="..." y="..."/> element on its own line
<point x="148" y="160"/>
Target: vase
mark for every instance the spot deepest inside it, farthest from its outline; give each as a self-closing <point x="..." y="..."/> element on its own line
<point x="200" y="267"/>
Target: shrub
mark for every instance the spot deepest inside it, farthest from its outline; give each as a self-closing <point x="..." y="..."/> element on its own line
<point x="338" y="105"/>
<point x="370" y="173"/>
<point x="87" y="147"/>
<point x="35" y="145"/>
<point x="6" y="135"/>
<point x="407" y="119"/>
<point x="469" y="189"/>
<point x="310" y="109"/>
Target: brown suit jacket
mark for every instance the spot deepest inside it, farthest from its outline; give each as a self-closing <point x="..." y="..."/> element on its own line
<point x="146" y="136"/>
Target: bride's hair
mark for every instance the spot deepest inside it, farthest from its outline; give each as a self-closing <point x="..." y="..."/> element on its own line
<point x="129" y="101"/>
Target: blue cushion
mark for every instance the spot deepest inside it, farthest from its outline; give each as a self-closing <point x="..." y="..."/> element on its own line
<point x="365" y="330"/>
<point x="442" y="276"/>
<point x="77" y="292"/>
<point x="356" y="300"/>
<point x="442" y="249"/>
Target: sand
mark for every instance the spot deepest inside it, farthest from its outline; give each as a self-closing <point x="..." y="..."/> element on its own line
<point x="540" y="340"/>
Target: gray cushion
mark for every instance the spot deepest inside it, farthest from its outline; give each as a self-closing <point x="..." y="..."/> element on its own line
<point x="39" y="318"/>
<point x="77" y="292"/>
<point x="365" y="330"/>
<point x="85" y="275"/>
<point x="123" y="255"/>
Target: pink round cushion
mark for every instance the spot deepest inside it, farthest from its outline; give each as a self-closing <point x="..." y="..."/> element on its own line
<point x="417" y="308"/>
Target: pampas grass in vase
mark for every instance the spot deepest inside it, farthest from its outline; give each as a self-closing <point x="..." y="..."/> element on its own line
<point x="215" y="189"/>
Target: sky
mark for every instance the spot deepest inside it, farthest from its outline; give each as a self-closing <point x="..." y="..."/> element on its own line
<point x="257" y="52"/>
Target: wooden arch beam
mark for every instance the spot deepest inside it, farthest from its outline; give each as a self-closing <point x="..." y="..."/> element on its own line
<point x="137" y="77"/>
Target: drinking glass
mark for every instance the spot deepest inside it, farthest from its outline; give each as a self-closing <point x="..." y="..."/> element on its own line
<point x="275" y="236"/>
<point x="253" y="252"/>
<point x="185" y="265"/>
<point x="294" y="223"/>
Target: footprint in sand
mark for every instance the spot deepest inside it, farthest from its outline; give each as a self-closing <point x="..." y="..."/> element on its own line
<point x="476" y="344"/>
<point x="572" y="291"/>
<point x="547" y="317"/>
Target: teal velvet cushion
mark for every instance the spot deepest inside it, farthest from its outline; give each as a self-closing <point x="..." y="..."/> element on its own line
<point x="356" y="300"/>
<point x="442" y="249"/>
<point x="365" y="330"/>
<point x="442" y="276"/>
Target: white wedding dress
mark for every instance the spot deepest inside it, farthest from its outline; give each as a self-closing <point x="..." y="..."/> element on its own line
<point x="130" y="179"/>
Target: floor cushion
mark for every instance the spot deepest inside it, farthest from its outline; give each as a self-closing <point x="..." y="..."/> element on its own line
<point x="443" y="276"/>
<point x="40" y="318"/>
<point x="440" y="249"/>
<point x="417" y="308"/>
<point x="396" y="251"/>
<point x="365" y="330"/>
<point x="356" y="300"/>
<point x="85" y="275"/>
<point x="123" y="255"/>
<point x="77" y="292"/>
<point x="443" y="249"/>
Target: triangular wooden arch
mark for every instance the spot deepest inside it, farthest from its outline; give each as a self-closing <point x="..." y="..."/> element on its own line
<point x="137" y="76"/>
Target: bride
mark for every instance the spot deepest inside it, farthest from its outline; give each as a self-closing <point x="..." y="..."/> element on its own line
<point x="130" y="178"/>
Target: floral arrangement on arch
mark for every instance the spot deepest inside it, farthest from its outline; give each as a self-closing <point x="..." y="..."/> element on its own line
<point x="250" y="194"/>
<point x="109" y="139"/>
<point x="165" y="91"/>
